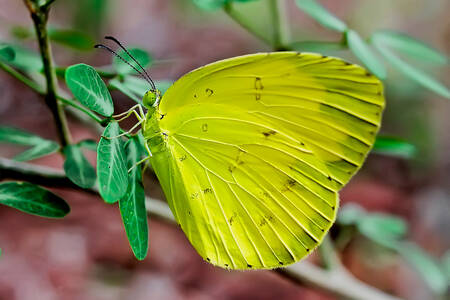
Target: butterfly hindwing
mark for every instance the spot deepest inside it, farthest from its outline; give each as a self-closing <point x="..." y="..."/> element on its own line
<point x="256" y="149"/>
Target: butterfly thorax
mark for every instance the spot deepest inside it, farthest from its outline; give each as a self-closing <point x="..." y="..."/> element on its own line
<point x="153" y="135"/>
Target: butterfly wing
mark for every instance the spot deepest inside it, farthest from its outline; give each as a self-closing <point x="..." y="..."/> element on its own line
<point x="255" y="148"/>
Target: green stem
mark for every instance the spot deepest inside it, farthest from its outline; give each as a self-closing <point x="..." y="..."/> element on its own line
<point x="30" y="83"/>
<point x="238" y="18"/>
<point x="40" y="18"/>
<point x="277" y="26"/>
<point x="328" y="254"/>
<point x="81" y="108"/>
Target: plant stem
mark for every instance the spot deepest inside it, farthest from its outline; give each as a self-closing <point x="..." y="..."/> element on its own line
<point x="338" y="281"/>
<point x="30" y="83"/>
<point x="39" y="14"/>
<point x="81" y="108"/>
<point x="237" y="17"/>
<point x="277" y="27"/>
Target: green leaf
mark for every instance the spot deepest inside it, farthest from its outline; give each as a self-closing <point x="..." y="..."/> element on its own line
<point x="135" y="87"/>
<point x="43" y="149"/>
<point x="210" y="5"/>
<point x="88" y="87"/>
<point x="77" y="168"/>
<point x="382" y="228"/>
<point x="394" y="147"/>
<point x="71" y="38"/>
<point x="32" y="199"/>
<point x="25" y="59"/>
<point x="425" y="265"/>
<point x="411" y="72"/>
<point x="321" y="15"/>
<point x="111" y="165"/>
<point x="88" y="144"/>
<point x="40" y="146"/>
<point x="364" y="54"/>
<point x="350" y="214"/>
<point x="312" y="46"/>
<point x="446" y="264"/>
<point x="132" y="205"/>
<point x="7" y="53"/>
<point x="140" y="55"/>
<point x="410" y="46"/>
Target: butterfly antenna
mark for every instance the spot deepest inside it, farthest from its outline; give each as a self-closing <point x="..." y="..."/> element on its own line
<point x="134" y="59"/>
<point x="122" y="59"/>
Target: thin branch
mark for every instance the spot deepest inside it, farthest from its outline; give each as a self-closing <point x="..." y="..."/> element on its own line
<point x="337" y="280"/>
<point x="40" y="17"/>
<point x="28" y="82"/>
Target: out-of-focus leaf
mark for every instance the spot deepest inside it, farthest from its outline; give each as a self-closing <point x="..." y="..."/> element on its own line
<point x="362" y="51"/>
<point x="21" y="32"/>
<point x="140" y="55"/>
<point x="411" y="72"/>
<point x="112" y="169"/>
<point x="446" y="264"/>
<point x="382" y="228"/>
<point x="410" y="46"/>
<point x="209" y="5"/>
<point x="135" y="87"/>
<point x="88" y="144"/>
<point x="321" y="15"/>
<point x="132" y="205"/>
<point x="42" y="149"/>
<point x="88" y="87"/>
<point x="32" y="199"/>
<point x="425" y="265"/>
<point x="40" y="146"/>
<point x="71" y="38"/>
<point x="7" y="53"/>
<point x="311" y="46"/>
<point x="77" y="167"/>
<point x="350" y="214"/>
<point x="24" y="59"/>
<point x="394" y="147"/>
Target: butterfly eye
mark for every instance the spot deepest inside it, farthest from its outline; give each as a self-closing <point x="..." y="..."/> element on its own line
<point x="149" y="99"/>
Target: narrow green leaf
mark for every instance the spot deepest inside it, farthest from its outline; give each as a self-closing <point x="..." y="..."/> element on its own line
<point x="140" y="55"/>
<point x="88" y="144"/>
<point x="382" y="228"/>
<point x="350" y="214"/>
<point x="43" y="149"/>
<point x="132" y="205"/>
<point x="425" y="265"/>
<point x="413" y="73"/>
<point x="446" y="264"/>
<point x="410" y="46"/>
<point x="394" y="147"/>
<point x="312" y="46"/>
<point x="77" y="167"/>
<point x="321" y="15"/>
<point x="210" y="5"/>
<point x="40" y="146"/>
<point x="111" y="165"/>
<point x="117" y="84"/>
<point x="24" y="58"/>
<point x="88" y="87"/>
<point x="363" y="53"/>
<point x="7" y="53"/>
<point x="71" y="38"/>
<point x="32" y="199"/>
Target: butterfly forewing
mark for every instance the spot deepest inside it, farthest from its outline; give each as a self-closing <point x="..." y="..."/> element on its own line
<point x="256" y="148"/>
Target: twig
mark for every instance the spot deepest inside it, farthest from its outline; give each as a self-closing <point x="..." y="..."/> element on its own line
<point x="39" y="14"/>
<point x="337" y="280"/>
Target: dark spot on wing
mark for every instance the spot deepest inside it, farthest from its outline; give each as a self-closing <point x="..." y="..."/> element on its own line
<point x="333" y="207"/>
<point x="208" y="259"/>
<point x="226" y="265"/>
<point x="347" y="63"/>
<point x="182" y="158"/>
<point x="258" y="84"/>
<point x="281" y="263"/>
<point x="324" y="56"/>
<point x="195" y="96"/>
<point x="205" y="127"/>
<point x="368" y="74"/>
<point x="269" y="133"/>
<point x="329" y="178"/>
<point x="258" y="96"/>
<point x="249" y="266"/>
<point x="209" y="92"/>
<point x="162" y="116"/>
<point x="301" y="143"/>
<point x="207" y="191"/>
<point x="291" y="182"/>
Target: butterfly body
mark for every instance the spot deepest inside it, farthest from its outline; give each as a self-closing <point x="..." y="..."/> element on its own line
<point x="252" y="151"/>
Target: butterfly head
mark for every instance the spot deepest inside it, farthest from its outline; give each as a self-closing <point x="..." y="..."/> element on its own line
<point x="151" y="98"/>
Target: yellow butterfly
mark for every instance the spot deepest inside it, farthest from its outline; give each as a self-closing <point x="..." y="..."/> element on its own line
<point x="251" y="152"/>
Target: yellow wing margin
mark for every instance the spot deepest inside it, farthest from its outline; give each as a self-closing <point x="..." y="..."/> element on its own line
<point x="257" y="147"/>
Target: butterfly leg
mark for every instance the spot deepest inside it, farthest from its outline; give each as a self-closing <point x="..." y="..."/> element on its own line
<point x="143" y="160"/>
<point x="126" y="132"/>
<point x="129" y="112"/>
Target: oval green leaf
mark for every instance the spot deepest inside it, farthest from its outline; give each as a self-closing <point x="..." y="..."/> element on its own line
<point x="88" y="144"/>
<point x="25" y="59"/>
<point x="394" y="147"/>
<point x="111" y="165"/>
<point x="140" y="55"/>
<point x="413" y="73"/>
<point x="77" y="168"/>
<point x="132" y="205"/>
<point x="32" y="199"/>
<point x="410" y="46"/>
<point x="382" y="228"/>
<point x="321" y="15"/>
<point x="362" y="51"/>
<point x="210" y="5"/>
<point x="7" y="53"/>
<point x="43" y="149"/>
<point x="71" y="38"/>
<point x="88" y="87"/>
<point x="425" y="265"/>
